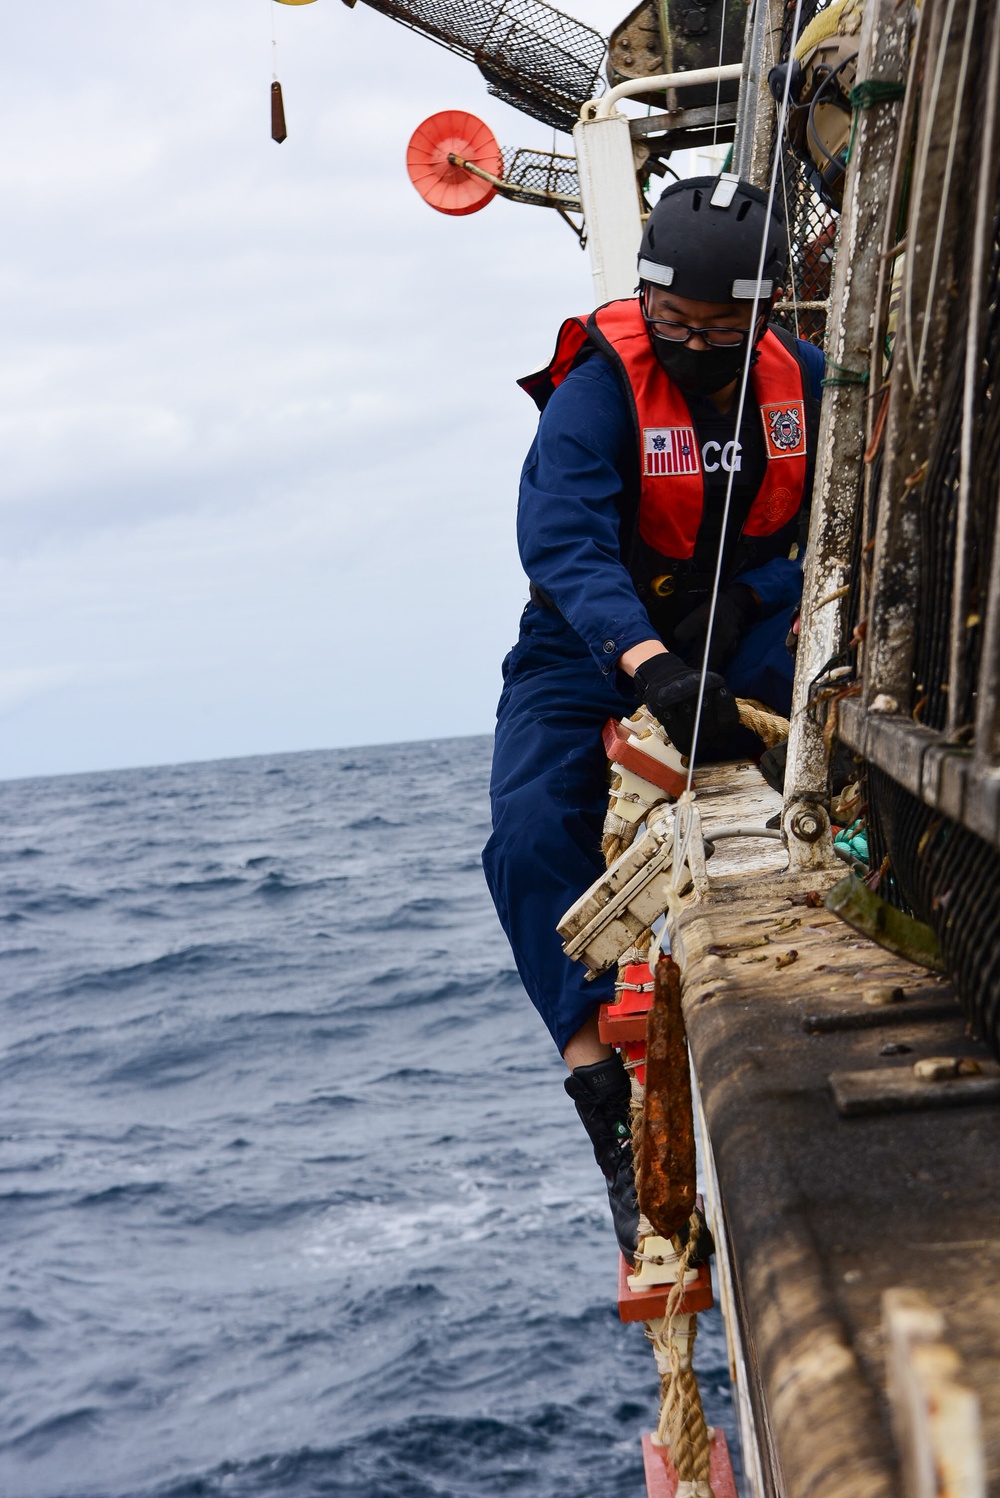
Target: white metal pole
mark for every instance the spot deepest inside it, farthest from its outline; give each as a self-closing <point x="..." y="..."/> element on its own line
<point x="608" y="188"/>
<point x="610" y="201"/>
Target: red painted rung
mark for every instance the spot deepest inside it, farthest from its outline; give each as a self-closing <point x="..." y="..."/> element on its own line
<point x="647" y="1305"/>
<point x="616" y="1026"/>
<point x="621" y="752"/>
<point x="626" y="1020"/>
<point x="661" y="1475"/>
<point x="635" y="1050"/>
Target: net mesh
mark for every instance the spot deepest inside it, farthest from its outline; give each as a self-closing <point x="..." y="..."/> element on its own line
<point x="950" y="879"/>
<point x="924" y="862"/>
<point x="812" y="227"/>
<point x="938" y="508"/>
<point x="539" y="173"/>
<point x="532" y="56"/>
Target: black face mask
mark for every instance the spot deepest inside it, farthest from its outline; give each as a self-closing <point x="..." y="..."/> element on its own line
<point x="699" y="371"/>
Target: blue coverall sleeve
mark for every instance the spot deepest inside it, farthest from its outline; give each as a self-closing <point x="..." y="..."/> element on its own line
<point x="814" y="360"/>
<point x="567" y="513"/>
<point x="778" y="584"/>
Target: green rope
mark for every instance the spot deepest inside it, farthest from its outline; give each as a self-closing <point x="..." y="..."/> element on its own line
<point x="871" y="91"/>
<point x="865" y="95"/>
<point x="845" y="376"/>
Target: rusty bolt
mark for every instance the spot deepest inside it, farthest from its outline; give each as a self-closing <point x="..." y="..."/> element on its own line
<point x="807" y="826"/>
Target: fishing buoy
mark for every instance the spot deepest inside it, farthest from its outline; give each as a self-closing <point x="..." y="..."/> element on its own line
<point x="444" y="185"/>
<point x="278" y="131"/>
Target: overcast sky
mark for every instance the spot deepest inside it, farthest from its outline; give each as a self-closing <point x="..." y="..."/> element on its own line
<point x="260" y="429"/>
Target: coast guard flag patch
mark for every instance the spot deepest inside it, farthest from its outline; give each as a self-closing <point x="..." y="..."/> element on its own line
<point x="669" y="450"/>
<point x="784" y="429"/>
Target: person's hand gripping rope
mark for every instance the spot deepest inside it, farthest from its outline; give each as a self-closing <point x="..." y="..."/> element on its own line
<point x="669" y="688"/>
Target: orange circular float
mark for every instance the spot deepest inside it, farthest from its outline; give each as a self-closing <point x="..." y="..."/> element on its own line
<point x="442" y="184"/>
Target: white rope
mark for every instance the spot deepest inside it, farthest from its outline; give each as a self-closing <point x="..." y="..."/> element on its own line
<point x="956" y="118"/>
<point x="919" y="170"/>
<point x="678" y="862"/>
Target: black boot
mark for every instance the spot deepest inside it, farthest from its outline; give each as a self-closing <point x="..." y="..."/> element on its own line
<point x="602" y="1095"/>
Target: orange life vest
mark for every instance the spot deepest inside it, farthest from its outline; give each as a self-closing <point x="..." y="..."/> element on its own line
<point x="672" y="483"/>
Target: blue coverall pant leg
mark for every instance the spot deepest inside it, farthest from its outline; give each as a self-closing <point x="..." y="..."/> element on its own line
<point x="549" y="795"/>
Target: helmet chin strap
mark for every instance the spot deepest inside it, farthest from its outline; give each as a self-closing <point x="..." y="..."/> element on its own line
<point x="764" y="315"/>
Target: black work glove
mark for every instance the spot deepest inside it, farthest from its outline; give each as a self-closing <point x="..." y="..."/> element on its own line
<point x="772" y="766"/>
<point x="736" y="609"/>
<point x="669" y="688"/>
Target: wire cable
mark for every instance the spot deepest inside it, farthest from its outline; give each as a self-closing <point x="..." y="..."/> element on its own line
<point x="779" y="148"/>
<point x="679" y="862"/>
<point x="718" y="81"/>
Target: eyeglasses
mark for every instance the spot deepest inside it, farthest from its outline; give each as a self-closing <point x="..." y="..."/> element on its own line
<point x="680" y="332"/>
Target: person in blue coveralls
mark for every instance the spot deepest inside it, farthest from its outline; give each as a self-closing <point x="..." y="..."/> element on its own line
<point x="619" y="523"/>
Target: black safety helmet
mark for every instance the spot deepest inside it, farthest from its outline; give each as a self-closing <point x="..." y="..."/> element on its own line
<point x="703" y="238"/>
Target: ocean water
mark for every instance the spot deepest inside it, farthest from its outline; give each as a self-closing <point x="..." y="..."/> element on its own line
<point x="291" y="1198"/>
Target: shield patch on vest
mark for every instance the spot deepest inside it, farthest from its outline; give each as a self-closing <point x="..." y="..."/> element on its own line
<point x="667" y="450"/>
<point x="784" y="429"/>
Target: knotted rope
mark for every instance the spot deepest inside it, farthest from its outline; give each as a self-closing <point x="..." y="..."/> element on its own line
<point x="681" y="1425"/>
<point x="681" y="1420"/>
<point x="667" y="1154"/>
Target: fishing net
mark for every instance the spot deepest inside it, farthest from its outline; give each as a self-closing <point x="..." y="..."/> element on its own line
<point x="532" y="56"/>
<point x="812" y="227"/>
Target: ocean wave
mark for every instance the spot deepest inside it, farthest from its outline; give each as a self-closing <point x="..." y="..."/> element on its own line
<point x="181" y="962"/>
<point x="199" y="886"/>
<point x="162" y="1065"/>
<point x="435" y="1456"/>
<point x="56" y="902"/>
<point x="40" y="1438"/>
<point x="295" y="1203"/>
